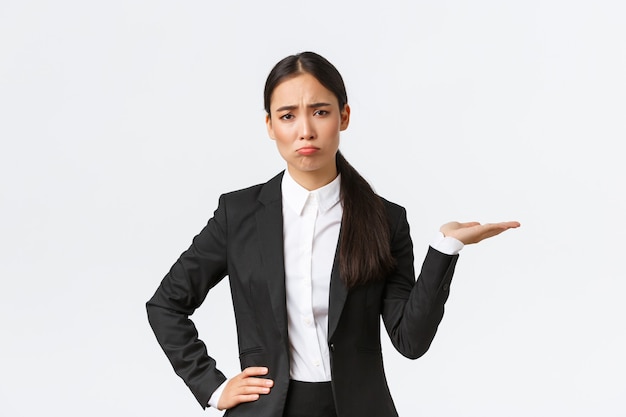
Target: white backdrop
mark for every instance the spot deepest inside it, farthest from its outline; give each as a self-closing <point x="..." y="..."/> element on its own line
<point x="121" y="122"/>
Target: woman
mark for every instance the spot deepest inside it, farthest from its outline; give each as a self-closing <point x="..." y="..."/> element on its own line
<point x="314" y="259"/>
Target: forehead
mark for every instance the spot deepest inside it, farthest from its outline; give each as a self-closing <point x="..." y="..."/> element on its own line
<point x="303" y="88"/>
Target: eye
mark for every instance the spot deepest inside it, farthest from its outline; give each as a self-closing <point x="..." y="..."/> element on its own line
<point x="287" y="116"/>
<point x="321" y="112"/>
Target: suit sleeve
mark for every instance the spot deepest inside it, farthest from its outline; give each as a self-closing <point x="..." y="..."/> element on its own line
<point x="180" y="293"/>
<point x="412" y="310"/>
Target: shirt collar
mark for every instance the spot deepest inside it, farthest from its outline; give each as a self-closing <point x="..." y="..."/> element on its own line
<point x="297" y="196"/>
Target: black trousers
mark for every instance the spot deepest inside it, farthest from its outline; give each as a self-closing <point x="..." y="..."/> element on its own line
<point x="310" y="399"/>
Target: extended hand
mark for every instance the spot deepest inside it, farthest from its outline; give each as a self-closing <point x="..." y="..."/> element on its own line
<point x="474" y="232"/>
<point x="245" y="387"/>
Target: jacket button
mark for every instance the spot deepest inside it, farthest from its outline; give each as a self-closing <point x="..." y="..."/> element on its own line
<point x="446" y="287"/>
<point x="332" y="347"/>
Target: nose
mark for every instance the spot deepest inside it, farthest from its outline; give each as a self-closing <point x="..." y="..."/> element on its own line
<point x="307" y="129"/>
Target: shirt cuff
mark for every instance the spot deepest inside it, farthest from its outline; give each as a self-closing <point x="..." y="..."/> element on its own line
<point x="446" y="244"/>
<point x="215" y="397"/>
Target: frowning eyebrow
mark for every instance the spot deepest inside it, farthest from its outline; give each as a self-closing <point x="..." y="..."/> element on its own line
<point x="311" y="106"/>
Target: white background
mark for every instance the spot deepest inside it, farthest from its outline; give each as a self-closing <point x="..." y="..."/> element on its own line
<point x="121" y="122"/>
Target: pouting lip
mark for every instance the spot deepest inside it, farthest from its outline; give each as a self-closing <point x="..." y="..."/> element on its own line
<point x="308" y="148"/>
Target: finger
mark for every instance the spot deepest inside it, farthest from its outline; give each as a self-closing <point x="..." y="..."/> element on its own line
<point x="256" y="382"/>
<point x="491" y="230"/>
<point x="501" y="227"/>
<point x="234" y="400"/>
<point x="252" y="389"/>
<point x="512" y="225"/>
<point x="255" y="371"/>
<point x="247" y="398"/>
<point x="507" y="225"/>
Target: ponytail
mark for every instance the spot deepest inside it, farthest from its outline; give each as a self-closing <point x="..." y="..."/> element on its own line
<point x="364" y="246"/>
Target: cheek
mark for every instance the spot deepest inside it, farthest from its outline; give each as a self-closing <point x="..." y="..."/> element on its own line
<point x="332" y="131"/>
<point x="284" y="149"/>
<point x="282" y="141"/>
<point x="282" y="133"/>
<point x="332" y="126"/>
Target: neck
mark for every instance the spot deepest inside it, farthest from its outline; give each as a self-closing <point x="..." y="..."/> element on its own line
<point x="313" y="180"/>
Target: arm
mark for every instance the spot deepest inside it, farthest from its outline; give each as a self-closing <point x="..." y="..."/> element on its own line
<point x="412" y="310"/>
<point x="183" y="290"/>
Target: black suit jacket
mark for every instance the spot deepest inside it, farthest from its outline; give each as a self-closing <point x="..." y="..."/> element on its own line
<point x="244" y="240"/>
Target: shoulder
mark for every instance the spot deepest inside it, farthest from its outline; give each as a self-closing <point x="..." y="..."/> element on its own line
<point x="263" y="192"/>
<point x="397" y="218"/>
<point x="393" y="210"/>
<point x="243" y="194"/>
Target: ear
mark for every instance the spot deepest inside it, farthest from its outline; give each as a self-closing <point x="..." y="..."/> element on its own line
<point x="345" y="117"/>
<point x="268" y="125"/>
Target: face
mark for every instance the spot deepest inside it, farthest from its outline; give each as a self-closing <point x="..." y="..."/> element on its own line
<point x="305" y="121"/>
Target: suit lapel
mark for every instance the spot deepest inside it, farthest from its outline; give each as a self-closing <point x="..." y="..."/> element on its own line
<point x="270" y="226"/>
<point x="337" y="296"/>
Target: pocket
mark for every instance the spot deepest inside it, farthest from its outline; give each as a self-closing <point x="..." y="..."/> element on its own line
<point x="254" y="356"/>
<point x="247" y="351"/>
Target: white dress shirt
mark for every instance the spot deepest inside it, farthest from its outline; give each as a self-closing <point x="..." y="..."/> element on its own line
<point x="311" y="225"/>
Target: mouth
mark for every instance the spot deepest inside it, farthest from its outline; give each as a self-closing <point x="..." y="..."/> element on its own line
<point x="307" y="150"/>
